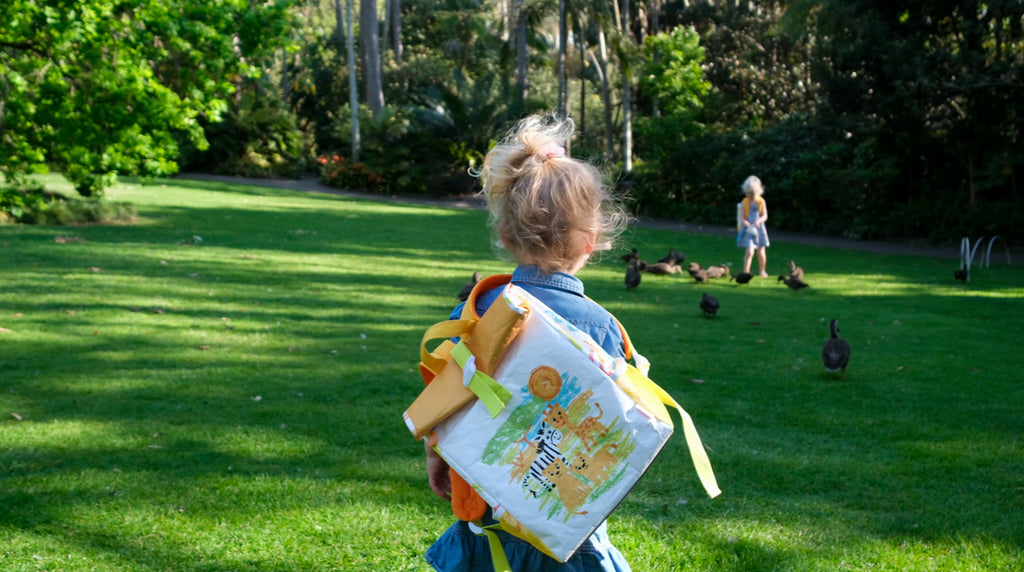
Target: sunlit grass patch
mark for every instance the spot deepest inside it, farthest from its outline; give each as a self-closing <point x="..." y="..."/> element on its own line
<point x="220" y="387"/>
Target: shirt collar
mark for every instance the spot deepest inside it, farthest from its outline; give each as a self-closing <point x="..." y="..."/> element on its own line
<point x="530" y="274"/>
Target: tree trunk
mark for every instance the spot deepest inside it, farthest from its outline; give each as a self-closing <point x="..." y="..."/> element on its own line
<point x="583" y="85"/>
<point x="563" y="39"/>
<point x="522" y="81"/>
<point x="339" y="18"/>
<point x="655" y="9"/>
<point x="353" y="91"/>
<point x="627" y="97"/>
<point x="396" y="29"/>
<point x="369" y="48"/>
<point x="506" y="20"/>
<point x="606" y="93"/>
<point x="385" y="28"/>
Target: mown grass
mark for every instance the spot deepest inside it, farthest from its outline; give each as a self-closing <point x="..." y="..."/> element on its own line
<point x="234" y="402"/>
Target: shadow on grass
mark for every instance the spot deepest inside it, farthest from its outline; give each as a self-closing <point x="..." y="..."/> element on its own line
<point x="322" y="326"/>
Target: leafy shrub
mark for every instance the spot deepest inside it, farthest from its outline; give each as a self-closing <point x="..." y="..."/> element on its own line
<point x="337" y="171"/>
<point x="823" y="177"/>
<point x="409" y="151"/>
<point x="256" y="138"/>
<point x="19" y="202"/>
<point x="35" y="205"/>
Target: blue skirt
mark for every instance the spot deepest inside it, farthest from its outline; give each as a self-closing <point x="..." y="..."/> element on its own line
<point x="459" y="550"/>
<point x="757" y="240"/>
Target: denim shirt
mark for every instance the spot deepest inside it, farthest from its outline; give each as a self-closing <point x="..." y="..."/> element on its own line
<point x="563" y="293"/>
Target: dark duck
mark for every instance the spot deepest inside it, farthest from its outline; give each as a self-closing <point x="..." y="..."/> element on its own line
<point x="836" y="353"/>
<point x="709" y="304"/>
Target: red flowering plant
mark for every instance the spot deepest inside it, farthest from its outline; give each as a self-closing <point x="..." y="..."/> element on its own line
<point x="337" y="171"/>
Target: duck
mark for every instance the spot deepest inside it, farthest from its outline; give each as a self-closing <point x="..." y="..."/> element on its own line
<point x="709" y="304"/>
<point x="662" y="268"/>
<point x="721" y="271"/>
<point x="464" y="293"/>
<point x="795" y="271"/>
<point x="742" y="277"/>
<point x="962" y="274"/>
<point x="628" y="258"/>
<point x="794" y="283"/>
<point x="836" y="353"/>
<point x="673" y="257"/>
<point x="632" y="275"/>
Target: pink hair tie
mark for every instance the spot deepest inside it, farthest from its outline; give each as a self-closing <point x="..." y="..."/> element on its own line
<point x="553" y="151"/>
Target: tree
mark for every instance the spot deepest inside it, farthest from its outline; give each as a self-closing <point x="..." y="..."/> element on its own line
<point x="522" y="56"/>
<point x="99" y="87"/>
<point x="369" y="48"/>
<point x="353" y="98"/>
<point x="625" y="50"/>
<point x="563" y="40"/>
<point x="395" y="27"/>
<point x="673" y="78"/>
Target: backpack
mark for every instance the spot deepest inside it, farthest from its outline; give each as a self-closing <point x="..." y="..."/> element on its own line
<point x="538" y="423"/>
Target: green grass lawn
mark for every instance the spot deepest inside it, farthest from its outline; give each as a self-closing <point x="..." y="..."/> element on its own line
<point x="234" y="403"/>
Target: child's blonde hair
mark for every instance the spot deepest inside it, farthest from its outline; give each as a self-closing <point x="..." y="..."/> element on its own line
<point x="543" y="203"/>
<point x="752" y="186"/>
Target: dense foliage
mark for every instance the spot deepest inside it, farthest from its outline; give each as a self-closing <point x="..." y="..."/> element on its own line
<point x="100" y="87"/>
<point x="863" y="118"/>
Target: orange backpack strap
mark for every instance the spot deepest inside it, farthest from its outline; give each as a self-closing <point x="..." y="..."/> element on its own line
<point x="482" y="287"/>
<point x="466" y="503"/>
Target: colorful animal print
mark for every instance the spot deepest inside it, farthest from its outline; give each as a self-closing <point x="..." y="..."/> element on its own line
<point x="547" y="451"/>
<point x="571" y="490"/>
<point x="596" y="468"/>
<point x="588" y="430"/>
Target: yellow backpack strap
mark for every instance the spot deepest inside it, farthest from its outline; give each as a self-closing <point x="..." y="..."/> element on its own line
<point x="432" y="362"/>
<point x="701" y="462"/>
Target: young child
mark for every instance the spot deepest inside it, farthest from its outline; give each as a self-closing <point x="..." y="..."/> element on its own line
<point x="753" y="215"/>
<point x="550" y="212"/>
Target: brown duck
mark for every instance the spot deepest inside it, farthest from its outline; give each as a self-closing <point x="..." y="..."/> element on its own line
<point x="662" y="268"/>
<point x="721" y="271"/>
<point x="673" y="257"/>
<point x="795" y="271"/>
<point x="794" y="283"/>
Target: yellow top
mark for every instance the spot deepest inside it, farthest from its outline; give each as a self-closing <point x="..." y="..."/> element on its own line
<point x="747" y="207"/>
